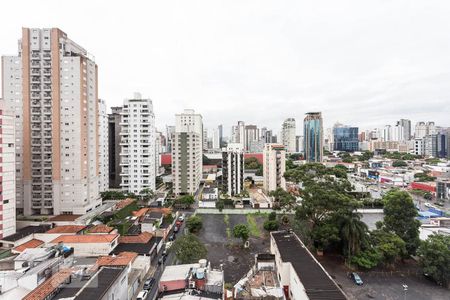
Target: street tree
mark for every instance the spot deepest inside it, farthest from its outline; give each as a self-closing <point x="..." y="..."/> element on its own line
<point x="434" y="255"/>
<point x="194" y="223"/>
<point x="185" y="201"/>
<point x="188" y="249"/>
<point x="400" y="217"/>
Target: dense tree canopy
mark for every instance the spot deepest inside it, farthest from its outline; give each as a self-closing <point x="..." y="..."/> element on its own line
<point x="283" y="199"/>
<point x="188" y="249"/>
<point x="435" y="258"/>
<point x="400" y="217"/>
<point x="194" y="223"/>
<point x="399" y="164"/>
<point x="241" y="231"/>
<point x="185" y="201"/>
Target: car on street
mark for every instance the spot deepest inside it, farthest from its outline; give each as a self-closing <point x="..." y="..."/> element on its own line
<point x="162" y="259"/>
<point x="142" y="295"/>
<point x="356" y="279"/>
<point x="181" y="218"/>
<point x="172" y="237"/>
<point x="178" y="223"/>
<point x="149" y="283"/>
<point x="176" y="229"/>
<point x="428" y="204"/>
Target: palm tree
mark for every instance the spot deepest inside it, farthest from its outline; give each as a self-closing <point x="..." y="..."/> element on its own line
<point x="353" y="232"/>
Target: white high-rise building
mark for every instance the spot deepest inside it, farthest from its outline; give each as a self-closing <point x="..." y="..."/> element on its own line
<point x="386" y="134"/>
<point x="103" y="144"/>
<point x="422" y="129"/>
<point x="137" y="155"/>
<point x="233" y="169"/>
<point x="274" y="166"/>
<point x="288" y="134"/>
<point x="7" y="173"/>
<point x="51" y="87"/>
<point x="216" y="138"/>
<point x="187" y="152"/>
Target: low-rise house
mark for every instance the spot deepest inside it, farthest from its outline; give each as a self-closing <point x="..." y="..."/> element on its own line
<point x="260" y="282"/>
<point x="88" y="245"/>
<point x="142" y="244"/>
<point x="101" y="229"/>
<point x="99" y="284"/>
<point x="198" y="277"/>
<point x="300" y="274"/>
<point x="33" y="243"/>
<point x="23" y="235"/>
<point x="151" y="221"/>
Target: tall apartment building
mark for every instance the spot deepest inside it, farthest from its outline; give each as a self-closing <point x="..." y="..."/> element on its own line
<point x="220" y="129"/>
<point x="187" y="152"/>
<point x="274" y="166"/>
<point x="422" y="129"/>
<point x="170" y="130"/>
<point x="114" y="147"/>
<point x="405" y="126"/>
<point x="216" y="139"/>
<point x="299" y="144"/>
<point x="7" y="173"/>
<point x="137" y="145"/>
<point x="51" y="86"/>
<point x="103" y="146"/>
<point x="288" y="134"/>
<point x="238" y="133"/>
<point x="233" y="169"/>
<point x="251" y="134"/>
<point x="313" y="137"/>
<point x="345" y="138"/>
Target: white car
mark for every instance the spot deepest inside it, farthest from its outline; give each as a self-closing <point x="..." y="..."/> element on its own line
<point x="142" y="295"/>
<point x="181" y="218"/>
<point x="427" y="204"/>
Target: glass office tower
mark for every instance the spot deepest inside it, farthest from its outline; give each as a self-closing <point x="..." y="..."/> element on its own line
<point x="313" y="137"/>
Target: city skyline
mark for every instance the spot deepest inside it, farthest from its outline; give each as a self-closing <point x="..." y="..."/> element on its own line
<point x="279" y="59"/>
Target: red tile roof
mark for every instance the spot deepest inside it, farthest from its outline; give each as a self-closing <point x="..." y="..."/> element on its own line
<point x="67" y="229"/>
<point x="124" y="203"/>
<point x="48" y="286"/>
<point x="64" y="218"/>
<point x="141" y="212"/>
<point x="85" y="238"/>
<point x="100" y="228"/>
<point x="121" y="259"/>
<point x="34" y="243"/>
<point x="142" y="238"/>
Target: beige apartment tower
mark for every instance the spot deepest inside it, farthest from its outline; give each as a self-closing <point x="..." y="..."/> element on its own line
<point x="51" y="87"/>
<point x="274" y="166"/>
<point x="187" y="152"/>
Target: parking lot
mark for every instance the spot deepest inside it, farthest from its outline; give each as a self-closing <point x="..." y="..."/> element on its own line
<point x="385" y="284"/>
<point x="225" y="249"/>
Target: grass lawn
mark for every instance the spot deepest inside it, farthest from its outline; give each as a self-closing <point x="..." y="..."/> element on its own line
<point x="253" y="226"/>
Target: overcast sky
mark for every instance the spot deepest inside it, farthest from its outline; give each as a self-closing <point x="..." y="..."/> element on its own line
<point x="364" y="63"/>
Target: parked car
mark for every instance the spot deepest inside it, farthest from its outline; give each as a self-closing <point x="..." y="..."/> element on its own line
<point x="178" y="223"/>
<point x="172" y="237"/>
<point x="162" y="259"/>
<point x="176" y="229"/>
<point x="142" y="295"/>
<point x="355" y="277"/>
<point x="428" y="204"/>
<point x="181" y="218"/>
<point x="148" y="284"/>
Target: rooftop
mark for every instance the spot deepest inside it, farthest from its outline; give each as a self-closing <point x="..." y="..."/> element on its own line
<point x="34" y="243"/>
<point x="64" y="218"/>
<point x="101" y="228"/>
<point x="67" y="229"/>
<point x="121" y="259"/>
<point x="124" y="203"/>
<point x="316" y="281"/>
<point x="140" y="212"/>
<point x="26" y="231"/>
<point x="139" y="248"/>
<point x="144" y="237"/>
<point x="85" y="238"/>
<point x="177" y="272"/>
<point x="48" y="286"/>
<point x="35" y="254"/>
<point x="100" y="283"/>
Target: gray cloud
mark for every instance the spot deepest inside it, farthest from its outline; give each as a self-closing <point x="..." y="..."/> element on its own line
<point x="365" y="63"/>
